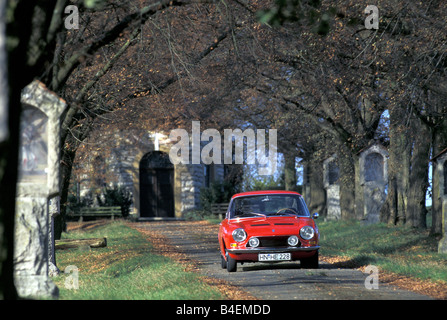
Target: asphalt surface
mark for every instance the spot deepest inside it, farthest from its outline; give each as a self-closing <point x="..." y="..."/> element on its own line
<point x="277" y="281"/>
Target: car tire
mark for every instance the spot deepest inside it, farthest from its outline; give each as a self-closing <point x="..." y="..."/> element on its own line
<point x="231" y="264"/>
<point x="310" y="263"/>
<point x="223" y="262"/>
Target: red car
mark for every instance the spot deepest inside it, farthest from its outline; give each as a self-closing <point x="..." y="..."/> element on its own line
<point x="268" y="226"/>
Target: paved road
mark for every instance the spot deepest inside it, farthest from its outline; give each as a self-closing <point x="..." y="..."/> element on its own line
<point x="282" y="281"/>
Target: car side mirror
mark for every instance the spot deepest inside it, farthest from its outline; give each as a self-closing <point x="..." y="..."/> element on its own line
<point x="315" y="215"/>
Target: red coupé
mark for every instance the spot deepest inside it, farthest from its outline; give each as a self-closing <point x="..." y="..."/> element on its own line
<point x="268" y="226"/>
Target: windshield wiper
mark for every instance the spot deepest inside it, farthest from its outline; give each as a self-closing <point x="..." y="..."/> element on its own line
<point x="281" y="214"/>
<point x="252" y="213"/>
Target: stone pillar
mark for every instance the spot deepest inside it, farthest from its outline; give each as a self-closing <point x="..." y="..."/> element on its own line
<point x="38" y="183"/>
<point x="331" y="184"/>
<point x="373" y="180"/>
<point x="54" y="210"/>
<point x="31" y="247"/>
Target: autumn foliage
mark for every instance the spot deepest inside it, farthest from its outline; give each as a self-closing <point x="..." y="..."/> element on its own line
<point x="310" y="69"/>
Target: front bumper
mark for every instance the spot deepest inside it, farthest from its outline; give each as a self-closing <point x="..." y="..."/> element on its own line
<point x="273" y="249"/>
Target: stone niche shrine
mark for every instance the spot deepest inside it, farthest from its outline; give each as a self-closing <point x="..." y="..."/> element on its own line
<point x="38" y="184"/>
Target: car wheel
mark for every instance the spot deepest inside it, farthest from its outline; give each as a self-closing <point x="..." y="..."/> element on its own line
<point x="310" y="263"/>
<point x="223" y="262"/>
<point x="231" y="264"/>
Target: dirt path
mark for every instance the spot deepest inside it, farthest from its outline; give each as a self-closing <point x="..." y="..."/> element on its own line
<point x="195" y="245"/>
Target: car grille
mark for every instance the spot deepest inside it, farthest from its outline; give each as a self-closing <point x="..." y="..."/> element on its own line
<point x="276" y="242"/>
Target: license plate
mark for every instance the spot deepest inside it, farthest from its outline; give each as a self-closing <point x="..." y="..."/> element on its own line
<point x="274" y="256"/>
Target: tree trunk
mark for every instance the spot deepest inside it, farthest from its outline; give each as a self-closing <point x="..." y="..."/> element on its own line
<point x="77" y="243"/>
<point x="388" y="210"/>
<point x="403" y="175"/>
<point x="12" y="83"/>
<point x="314" y="193"/>
<point x="439" y="143"/>
<point x="416" y="210"/>
<point x="68" y="157"/>
<point x="9" y="143"/>
<point x="394" y="209"/>
<point x="347" y="184"/>
<point x="359" y="193"/>
<point x="290" y="171"/>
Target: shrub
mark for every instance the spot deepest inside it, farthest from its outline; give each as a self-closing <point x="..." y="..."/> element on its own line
<point x="116" y="196"/>
<point x="217" y="192"/>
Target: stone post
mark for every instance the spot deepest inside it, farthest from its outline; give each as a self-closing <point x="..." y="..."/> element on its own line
<point x="38" y="183"/>
<point x="331" y="184"/>
<point x="53" y="270"/>
<point x="373" y="180"/>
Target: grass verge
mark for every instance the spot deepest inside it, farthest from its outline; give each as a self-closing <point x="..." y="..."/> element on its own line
<point x="126" y="269"/>
<point x="399" y="250"/>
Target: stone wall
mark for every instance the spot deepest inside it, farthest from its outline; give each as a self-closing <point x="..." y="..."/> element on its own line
<point x="189" y="181"/>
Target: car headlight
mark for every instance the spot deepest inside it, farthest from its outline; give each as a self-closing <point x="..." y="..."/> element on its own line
<point x="239" y="235"/>
<point x="307" y="232"/>
<point x="253" y="242"/>
<point x="292" y="241"/>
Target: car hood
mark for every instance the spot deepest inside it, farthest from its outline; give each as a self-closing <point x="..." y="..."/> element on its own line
<point x="281" y="224"/>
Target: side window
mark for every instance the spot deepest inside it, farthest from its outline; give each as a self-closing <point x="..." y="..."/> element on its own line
<point x="231" y="209"/>
<point x="303" y="208"/>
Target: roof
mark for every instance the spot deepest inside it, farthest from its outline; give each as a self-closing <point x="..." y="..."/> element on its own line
<point x="264" y="192"/>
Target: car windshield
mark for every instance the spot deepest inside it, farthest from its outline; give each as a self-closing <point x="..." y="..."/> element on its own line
<point x="268" y="205"/>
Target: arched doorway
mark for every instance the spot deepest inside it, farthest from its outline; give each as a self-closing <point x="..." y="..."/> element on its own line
<point x="156" y="185"/>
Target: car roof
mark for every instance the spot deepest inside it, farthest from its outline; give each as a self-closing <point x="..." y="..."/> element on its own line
<point x="264" y="192"/>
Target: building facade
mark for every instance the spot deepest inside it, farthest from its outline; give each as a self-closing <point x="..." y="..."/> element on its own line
<point x="159" y="188"/>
